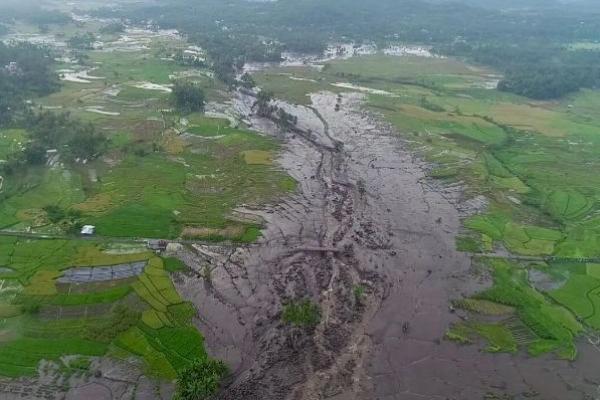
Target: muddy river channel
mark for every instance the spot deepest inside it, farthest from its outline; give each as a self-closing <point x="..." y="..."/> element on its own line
<point x="364" y="215"/>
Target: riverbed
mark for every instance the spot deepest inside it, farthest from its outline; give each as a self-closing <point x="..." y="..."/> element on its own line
<point x="365" y="215"/>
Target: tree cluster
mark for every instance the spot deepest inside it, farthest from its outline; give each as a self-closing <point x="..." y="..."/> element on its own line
<point x="75" y="139"/>
<point x="70" y="138"/>
<point x="83" y="41"/>
<point x="188" y="97"/>
<point x="113" y="28"/>
<point x="263" y="105"/>
<point x="25" y="70"/>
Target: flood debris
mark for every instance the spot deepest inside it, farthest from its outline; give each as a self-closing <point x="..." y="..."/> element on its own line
<point x="324" y="241"/>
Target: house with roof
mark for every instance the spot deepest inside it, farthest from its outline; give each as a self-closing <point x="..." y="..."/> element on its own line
<point x="158" y="246"/>
<point x="88" y="230"/>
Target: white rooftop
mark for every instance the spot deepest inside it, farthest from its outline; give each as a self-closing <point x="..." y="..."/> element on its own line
<point x="88" y="230"/>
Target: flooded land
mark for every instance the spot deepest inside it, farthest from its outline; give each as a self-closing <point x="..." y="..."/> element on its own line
<point x="366" y="216"/>
<point x="361" y="221"/>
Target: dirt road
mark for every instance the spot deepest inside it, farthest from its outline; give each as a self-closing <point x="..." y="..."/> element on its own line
<point x="364" y="194"/>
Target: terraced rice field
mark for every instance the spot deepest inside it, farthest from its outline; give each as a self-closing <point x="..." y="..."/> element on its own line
<point x="48" y="314"/>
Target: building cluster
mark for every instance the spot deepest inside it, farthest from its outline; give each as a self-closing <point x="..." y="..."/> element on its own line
<point x="12" y="68"/>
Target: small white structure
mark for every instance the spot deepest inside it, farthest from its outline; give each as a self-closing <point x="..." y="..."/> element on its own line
<point x="88" y="230"/>
<point x="12" y="68"/>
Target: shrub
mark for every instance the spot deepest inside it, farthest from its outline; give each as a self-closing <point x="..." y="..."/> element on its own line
<point x="359" y="293"/>
<point x="173" y="264"/>
<point x="200" y="380"/>
<point x="31" y="309"/>
<point x="55" y="213"/>
<point x="468" y="244"/>
<point x="304" y="313"/>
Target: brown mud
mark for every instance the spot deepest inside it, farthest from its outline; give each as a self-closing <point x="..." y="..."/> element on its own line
<point x="364" y="216"/>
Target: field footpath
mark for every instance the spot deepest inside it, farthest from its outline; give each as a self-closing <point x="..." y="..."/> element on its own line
<point x="124" y="240"/>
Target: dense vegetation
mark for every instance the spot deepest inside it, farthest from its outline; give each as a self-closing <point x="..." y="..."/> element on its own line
<point x="50" y="130"/>
<point x="30" y="11"/>
<point x="188" y="97"/>
<point x="112" y="28"/>
<point x="538" y="70"/>
<point x="25" y="70"/>
<point x="301" y="313"/>
<point x="82" y="42"/>
<point x="528" y="45"/>
<point x="200" y="380"/>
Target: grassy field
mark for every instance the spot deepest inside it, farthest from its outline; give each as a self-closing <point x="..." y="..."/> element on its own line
<point x="201" y="125"/>
<point x="531" y="160"/>
<point x="164" y="173"/>
<point x="11" y="141"/>
<point x="26" y="193"/>
<point x="157" y="196"/>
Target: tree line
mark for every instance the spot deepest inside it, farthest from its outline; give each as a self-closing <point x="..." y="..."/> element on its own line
<point x="538" y="70"/>
<point x="514" y="41"/>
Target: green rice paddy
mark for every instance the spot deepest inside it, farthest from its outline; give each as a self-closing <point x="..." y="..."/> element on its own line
<point x="43" y="319"/>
